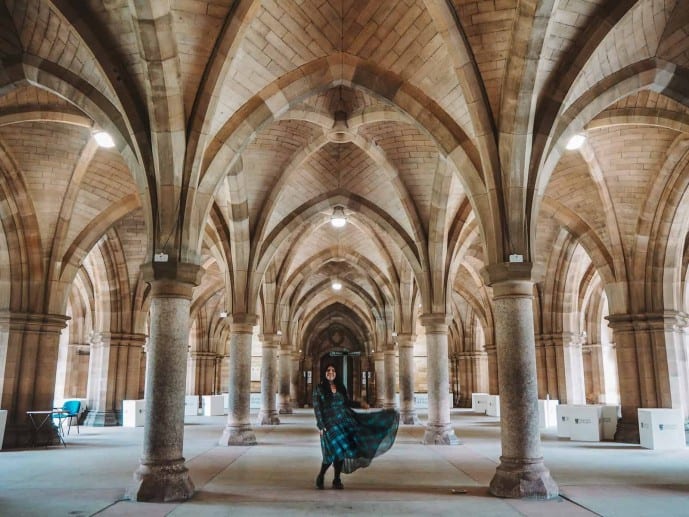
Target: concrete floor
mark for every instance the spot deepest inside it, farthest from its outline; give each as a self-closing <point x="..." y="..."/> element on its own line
<point x="276" y="477"/>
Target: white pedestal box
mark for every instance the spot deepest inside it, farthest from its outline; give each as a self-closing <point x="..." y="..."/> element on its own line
<point x="421" y="400"/>
<point x="585" y="423"/>
<point x="547" y="413"/>
<point x="661" y="428"/>
<point x="493" y="405"/>
<point x="609" y="415"/>
<point x="479" y="402"/>
<point x="133" y="413"/>
<point x="563" y="420"/>
<point x="191" y="405"/>
<point x="226" y="401"/>
<point x="3" y="423"/>
<point x="213" y="405"/>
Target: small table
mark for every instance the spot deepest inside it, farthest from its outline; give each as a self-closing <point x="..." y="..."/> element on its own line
<point x="40" y="420"/>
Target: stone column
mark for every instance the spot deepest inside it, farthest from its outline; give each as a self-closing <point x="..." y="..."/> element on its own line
<point x="522" y="472"/>
<point x="649" y="365"/>
<point x="379" y="364"/>
<point x="114" y="370"/>
<point x="473" y="366"/>
<point x="162" y="475"/>
<point x="493" y="373"/>
<point x="295" y="377"/>
<point x="406" y="350"/>
<point x="439" y="429"/>
<point x="29" y="345"/>
<point x="224" y="375"/>
<point x="201" y="374"/>
<point x="389" y="359"/>
<point x="238" y="429"/>
<point x="284" y="372"/>
<point x="269" y="362"/>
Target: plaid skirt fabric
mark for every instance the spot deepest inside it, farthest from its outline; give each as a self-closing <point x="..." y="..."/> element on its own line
<point x="352" y="436"/>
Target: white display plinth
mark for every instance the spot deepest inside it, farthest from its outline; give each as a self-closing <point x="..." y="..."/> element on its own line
<point x="191" y="405"/>
<point x="213" y="405"/>
<point x="609" y="415"/>
<point x="226" y="401"/>
<point x="585" y="423"/>
<point x="563" y="420"/>
<point x="547" y="413"/>
<point x="479" y="402"/>
<point x="3" y="423"/>
<point x="421" y="400"/>
<point x="133" y="413"/>
<point x="661" y="428"/>
<point x="493" y="405"/>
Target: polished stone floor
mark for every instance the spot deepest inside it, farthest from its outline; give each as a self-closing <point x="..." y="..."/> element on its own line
<point x="276" y="477"/>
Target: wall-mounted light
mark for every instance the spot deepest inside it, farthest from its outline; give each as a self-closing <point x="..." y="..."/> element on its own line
<point x="338" y="219"/>
<point x="103" y="139"/>
<point x="576" y="142"/>
<point x="223" y="314"/>
<point x="394" y="334"/>
<point x="336" y="285"/>
<point x="279" y="332"/>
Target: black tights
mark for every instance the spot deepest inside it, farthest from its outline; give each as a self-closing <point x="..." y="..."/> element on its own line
<point x="338" y="468"/>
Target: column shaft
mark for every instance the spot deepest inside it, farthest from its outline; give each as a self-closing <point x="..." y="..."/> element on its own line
<point x="389" y="359"/>
<point x="269" y="362"/>
<point x="28" y="365"/>
<point x="238" y="429"/>
<point x="406" y="375"/>
<point x="379" y="364"/>
<point x="114" y="370"/>
<point x="162" y="475"/>
<point x="521" y="472"/>
<point x="439" y="429"/>
<point x="284" y="373"/>
<point x="295" y="378"/>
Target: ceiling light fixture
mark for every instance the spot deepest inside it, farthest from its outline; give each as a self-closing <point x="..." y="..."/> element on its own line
<point x="576" y="142"/>
<point x="338" y="219"/>
<point x="103" y="139"/>
<point x="336" y="285"/>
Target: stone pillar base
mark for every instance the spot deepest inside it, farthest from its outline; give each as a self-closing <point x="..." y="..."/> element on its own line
<point x="409" y="417"/>
<point x="627" y="432"/>
<point x="286" y="410"/>
<point x="269" y="417"/>
<point x="440" y="435"/>
<point x="242" y="435"/>
<point x="161" y="482"/>
<point x="523" y="478"/>
<point x="101" y="418"/>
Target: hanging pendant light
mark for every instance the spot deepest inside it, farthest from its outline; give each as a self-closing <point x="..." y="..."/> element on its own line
<point x="103" y="139"/>
<point x="575" y="142"/>
<point x="338" y="219"/>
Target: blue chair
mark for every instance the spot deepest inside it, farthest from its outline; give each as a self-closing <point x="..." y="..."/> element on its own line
<point x="70" y="410"/>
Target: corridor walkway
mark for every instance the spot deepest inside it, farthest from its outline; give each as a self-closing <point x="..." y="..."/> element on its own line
<point x="275" y="478"/>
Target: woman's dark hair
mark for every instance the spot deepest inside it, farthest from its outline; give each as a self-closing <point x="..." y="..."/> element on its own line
<point x="325" y="383"/>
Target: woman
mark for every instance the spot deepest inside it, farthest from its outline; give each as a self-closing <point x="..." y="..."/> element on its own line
<point x="349" y="440"/>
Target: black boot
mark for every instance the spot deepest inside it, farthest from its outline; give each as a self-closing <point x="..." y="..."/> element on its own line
<point x="337" y="482"/>
<point x="319" y="477"/>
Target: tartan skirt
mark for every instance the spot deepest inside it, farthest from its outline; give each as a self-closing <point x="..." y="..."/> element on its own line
<point x="357" y="437"/>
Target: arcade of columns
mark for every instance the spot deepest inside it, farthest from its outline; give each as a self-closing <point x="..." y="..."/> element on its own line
<point x="477" y="245"/>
